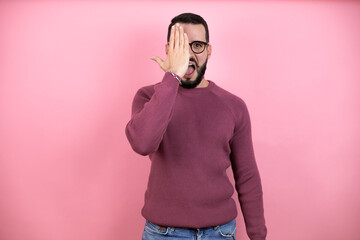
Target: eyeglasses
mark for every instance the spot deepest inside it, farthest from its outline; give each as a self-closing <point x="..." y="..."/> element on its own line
<point x="198" y="46"/>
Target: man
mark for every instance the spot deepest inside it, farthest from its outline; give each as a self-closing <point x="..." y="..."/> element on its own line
<point x="193" y="130"/>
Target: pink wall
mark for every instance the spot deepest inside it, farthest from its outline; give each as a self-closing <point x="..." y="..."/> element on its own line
<point x="69" y="71"/>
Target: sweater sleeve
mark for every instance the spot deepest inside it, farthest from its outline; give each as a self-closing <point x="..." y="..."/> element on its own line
<point x="151" y="115"/>
<point x="247" y="177"/>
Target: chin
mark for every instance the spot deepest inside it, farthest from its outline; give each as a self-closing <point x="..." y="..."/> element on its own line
<point x="187" y="80"/>
<point x="192" y="79"/>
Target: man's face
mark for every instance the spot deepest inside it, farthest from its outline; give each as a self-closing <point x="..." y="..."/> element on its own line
<point x="195" y="73"/>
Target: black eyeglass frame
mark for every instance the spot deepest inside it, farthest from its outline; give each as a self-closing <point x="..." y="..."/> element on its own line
<point x="206" y="44"/>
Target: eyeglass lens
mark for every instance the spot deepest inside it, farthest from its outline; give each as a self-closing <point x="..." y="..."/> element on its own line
<point x="197" y="46"/>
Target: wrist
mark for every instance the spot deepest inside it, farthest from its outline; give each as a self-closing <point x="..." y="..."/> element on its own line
<point x="175" y="71"/>
<point x="177" y="77"/>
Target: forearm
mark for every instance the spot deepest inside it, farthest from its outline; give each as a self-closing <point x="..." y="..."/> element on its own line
<point x="150" y="119"/>
<point x="251" y="202"/>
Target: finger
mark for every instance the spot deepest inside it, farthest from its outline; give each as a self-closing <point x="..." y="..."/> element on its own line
<point x="181" y="40"/>
<point x="176" y="44"/>
<point x="186" y="43"/>
<point x="172" y="37"/>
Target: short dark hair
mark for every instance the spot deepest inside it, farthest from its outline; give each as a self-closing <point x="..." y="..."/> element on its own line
<point x="189" y="18"/>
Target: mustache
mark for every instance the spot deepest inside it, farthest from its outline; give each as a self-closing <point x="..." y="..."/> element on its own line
<point x="194" y="61"/>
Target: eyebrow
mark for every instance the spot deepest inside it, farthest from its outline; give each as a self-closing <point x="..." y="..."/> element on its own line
<point x="198" y="41"/>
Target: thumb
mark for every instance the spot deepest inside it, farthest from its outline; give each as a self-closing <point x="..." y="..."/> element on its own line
<point x="158" y="60"/>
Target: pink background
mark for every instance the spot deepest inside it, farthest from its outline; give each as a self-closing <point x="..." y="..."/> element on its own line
<point x="68" y="74"/>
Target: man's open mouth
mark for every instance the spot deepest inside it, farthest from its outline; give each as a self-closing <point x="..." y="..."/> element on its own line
<point x="191" y="69"/>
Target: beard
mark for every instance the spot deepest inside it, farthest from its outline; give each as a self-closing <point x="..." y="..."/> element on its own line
<point x="200" y="71"/>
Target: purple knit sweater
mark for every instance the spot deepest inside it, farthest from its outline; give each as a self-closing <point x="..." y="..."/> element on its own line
<point x="192" y="136"/>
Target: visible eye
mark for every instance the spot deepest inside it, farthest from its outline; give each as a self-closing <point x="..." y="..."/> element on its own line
<point x="198" y="45"/>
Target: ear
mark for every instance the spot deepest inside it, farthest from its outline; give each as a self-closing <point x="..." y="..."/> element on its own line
<point x="209" y="50"/>
<point x="166" y="48"/>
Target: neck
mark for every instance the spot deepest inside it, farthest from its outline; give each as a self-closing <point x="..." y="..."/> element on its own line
<point x="203" y="84"/>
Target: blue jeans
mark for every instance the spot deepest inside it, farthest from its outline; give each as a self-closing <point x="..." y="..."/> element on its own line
<point x="221" y="232"/>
